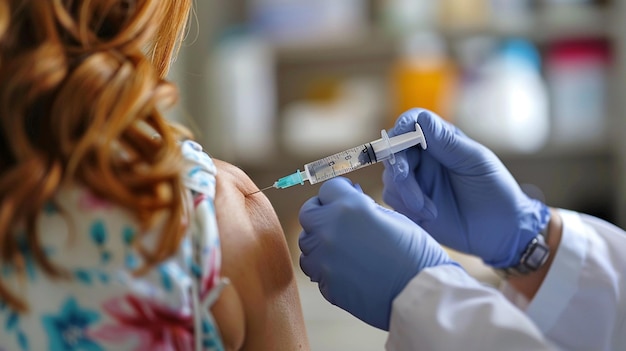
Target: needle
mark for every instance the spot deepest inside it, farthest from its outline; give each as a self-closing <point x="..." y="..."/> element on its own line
<point x="260" y="190"/>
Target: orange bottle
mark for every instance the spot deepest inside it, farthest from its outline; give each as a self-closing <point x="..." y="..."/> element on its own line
<point x="423" y="76"/>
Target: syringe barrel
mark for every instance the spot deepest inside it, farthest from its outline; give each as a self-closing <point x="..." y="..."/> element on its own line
<point x="340" y="163"/>
<point x="361" y="156"/>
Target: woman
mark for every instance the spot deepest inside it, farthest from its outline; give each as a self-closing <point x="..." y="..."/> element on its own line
<point x="109" y="217"/>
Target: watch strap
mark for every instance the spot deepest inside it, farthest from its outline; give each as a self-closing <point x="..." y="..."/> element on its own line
<point x="534" y="257"/>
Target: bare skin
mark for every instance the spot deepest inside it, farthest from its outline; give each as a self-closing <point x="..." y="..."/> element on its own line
<point x="261" y="310"/>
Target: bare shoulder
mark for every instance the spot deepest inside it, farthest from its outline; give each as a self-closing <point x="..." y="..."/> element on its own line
<point x="256" y="259"/>
<point x="249" y="227"/>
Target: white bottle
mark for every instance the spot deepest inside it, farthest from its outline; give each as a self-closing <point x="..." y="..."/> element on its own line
<point x="505" y="104"/>
<point x="577" y="77"/>
<point x="242" y="97"/>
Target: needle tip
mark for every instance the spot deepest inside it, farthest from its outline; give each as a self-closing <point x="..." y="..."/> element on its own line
<point x="260" y="190"/>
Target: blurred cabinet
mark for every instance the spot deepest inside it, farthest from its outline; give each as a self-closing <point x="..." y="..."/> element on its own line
<point x="589" y="179"/>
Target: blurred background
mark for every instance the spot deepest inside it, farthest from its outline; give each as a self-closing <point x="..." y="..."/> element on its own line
<point x="270" y="85"/>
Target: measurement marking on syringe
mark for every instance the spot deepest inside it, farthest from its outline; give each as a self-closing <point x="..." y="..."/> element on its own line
<point x="345" y="161"/>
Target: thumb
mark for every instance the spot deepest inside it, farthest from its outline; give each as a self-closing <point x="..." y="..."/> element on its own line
<point x="447" y="144"/>
<point x="337" y="188"/>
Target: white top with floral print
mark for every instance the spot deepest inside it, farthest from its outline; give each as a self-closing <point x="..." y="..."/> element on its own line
<point x="104" y="306"/>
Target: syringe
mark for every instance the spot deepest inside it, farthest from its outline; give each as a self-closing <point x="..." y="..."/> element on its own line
<point x="352" y="159"/>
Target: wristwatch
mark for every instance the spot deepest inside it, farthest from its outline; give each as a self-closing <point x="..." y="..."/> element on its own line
<point x="534" y="257"/>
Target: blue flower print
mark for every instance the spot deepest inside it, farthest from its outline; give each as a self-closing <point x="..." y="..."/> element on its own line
<point x="50" y="208"/>
<point x="98" y="233"/>
<point x="67" y="330"/>
<point x="29" y="259"/>
<point x="11" y="324"/>
<point x="30" y="266"/>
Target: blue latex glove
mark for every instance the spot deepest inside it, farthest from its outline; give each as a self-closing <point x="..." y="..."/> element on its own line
<point x="362" y="254"/>
<point x="461" y="193"/>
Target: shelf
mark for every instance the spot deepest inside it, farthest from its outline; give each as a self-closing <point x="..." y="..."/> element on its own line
<point x="368" y="46"/>
<point x="560" y="152"/>
<point x="565" y="21"/>
<point x="549" y="25"/>
<point x="570" y="176"/>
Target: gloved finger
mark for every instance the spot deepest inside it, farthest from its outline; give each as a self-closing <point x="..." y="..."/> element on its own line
<point x="447" y="144"/>
<point x="400" y="169"/>
<point x="325" y="291"/>
<point x="410" y="188"/>
<point x="309" y="268"/>
<point x="406" y="122"/>
<point x="307" y="242"/>
<point x="309" y="213"/>
<point x="337" y="188"/>
<point x="393" y="189"/>
<point x="407" y="197"/>
<point x="429" y="212"/>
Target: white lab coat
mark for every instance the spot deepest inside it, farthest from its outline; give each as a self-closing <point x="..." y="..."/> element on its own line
<point x="580" y="306"/>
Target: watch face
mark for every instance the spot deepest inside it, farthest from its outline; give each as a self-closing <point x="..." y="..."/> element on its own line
<point x="537" y="256"/>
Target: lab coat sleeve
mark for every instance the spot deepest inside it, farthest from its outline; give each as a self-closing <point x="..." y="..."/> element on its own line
<point x="581" y="304"/>
<point x="443" y="308"/>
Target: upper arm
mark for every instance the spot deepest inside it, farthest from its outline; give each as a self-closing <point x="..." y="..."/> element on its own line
<point x="255" y="257"/>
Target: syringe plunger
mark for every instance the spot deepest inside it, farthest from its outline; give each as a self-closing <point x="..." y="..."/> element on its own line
<point x="352" y="159"/>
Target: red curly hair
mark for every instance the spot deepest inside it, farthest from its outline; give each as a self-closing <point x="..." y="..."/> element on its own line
<point x="82" y="90"/>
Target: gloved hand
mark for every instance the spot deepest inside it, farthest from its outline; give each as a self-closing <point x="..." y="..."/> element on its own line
<point x="461" y="193"/>
<point x="362" y="254"/>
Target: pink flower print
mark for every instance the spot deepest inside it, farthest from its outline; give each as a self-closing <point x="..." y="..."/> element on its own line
<point x="198" y="199"/>
<point x="92" y="202"/>
<point x="213" y="276"/>
<point x="151" y="326"/>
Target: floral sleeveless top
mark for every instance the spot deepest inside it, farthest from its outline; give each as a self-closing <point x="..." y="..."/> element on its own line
<point x="104" y="306"/>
